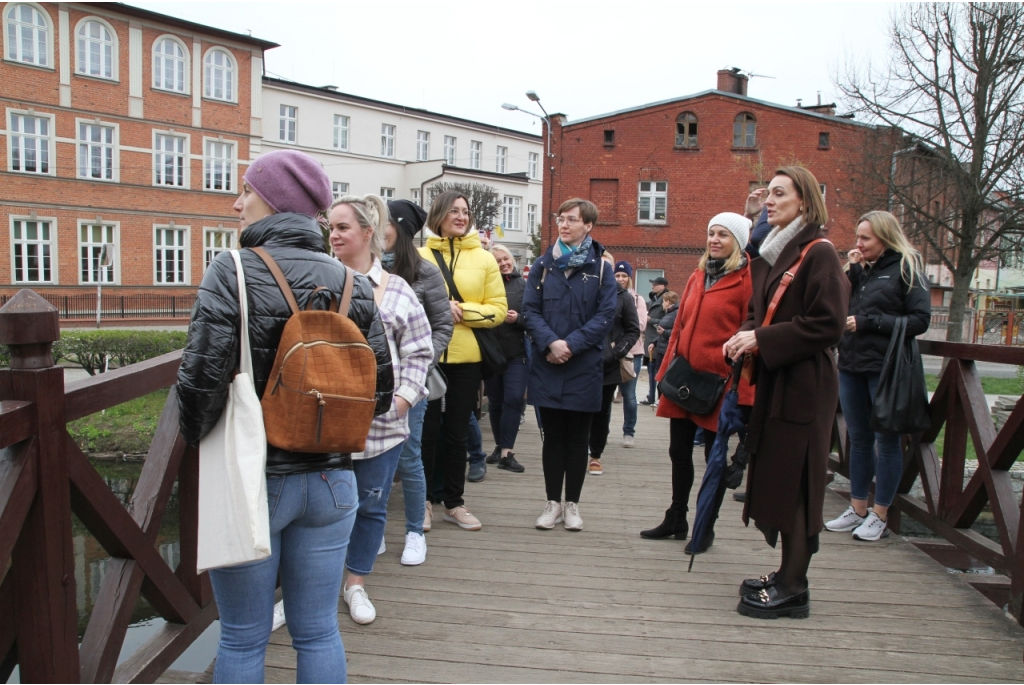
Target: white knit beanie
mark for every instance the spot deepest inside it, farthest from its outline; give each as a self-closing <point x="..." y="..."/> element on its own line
<point x="736" y="224"/>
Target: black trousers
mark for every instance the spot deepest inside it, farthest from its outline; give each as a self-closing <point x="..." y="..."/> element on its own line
<point x="564" y="456"/>
<point x="600" y="425"/>
<point x="680" y="451"/>
<point x="444" y="434"/>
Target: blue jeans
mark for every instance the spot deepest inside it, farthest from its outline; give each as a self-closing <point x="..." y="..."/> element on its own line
<point x="506" y="400"/>
<point x="628" y="392"/>
<point x="872" y="455"/>
<point x="474" y="442"/>
<point x="373" y="483"/>
<point x="410" y="470"/>
<point x="311" y="517"/>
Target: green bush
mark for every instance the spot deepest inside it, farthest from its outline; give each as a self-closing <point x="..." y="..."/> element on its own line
<point x="89" y="349"/>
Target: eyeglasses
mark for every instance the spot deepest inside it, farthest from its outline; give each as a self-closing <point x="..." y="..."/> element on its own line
<point x="567" y="220"/>
<point x="458" y="212"/>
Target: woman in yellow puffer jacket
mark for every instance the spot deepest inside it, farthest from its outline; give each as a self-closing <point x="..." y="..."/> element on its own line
<point x="478" y="281"/>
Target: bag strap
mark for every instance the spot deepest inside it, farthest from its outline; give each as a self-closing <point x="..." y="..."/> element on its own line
<point x="787" y="278"/>
<point x="275" y="271"/>
<point x="453" y="290"/>
<point x="245" y="351"/>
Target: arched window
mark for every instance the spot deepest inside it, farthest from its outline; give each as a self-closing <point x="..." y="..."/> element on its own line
<point x="686" y="130"/>
<point x="219" y="75"/>
<point x="743" y="130"/>
<point x="96" y="49"/>
<point x="29" y="35"/>
<point x="170" y="65"/>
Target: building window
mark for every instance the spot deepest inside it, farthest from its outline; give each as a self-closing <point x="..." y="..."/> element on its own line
<point x="387" y="194"/>
<point x="609" y="137"/>
<point x="653" y="201"/>
<point x="531" y="218"/>
<point x="340" y="132"/>
<point x="743" y="128"/>
<point x="96" y="53"/>
<point x="449" y="150"/>
<point x="170" y="65"/>
<point x="475" y="153"/>
<point x="823" y="140"/>
<point x="92" y="238"/>
<point x="33" y="250"/>
<point x="30" y="144"/>
<point x="510" y="217"/>
<point x="500" y="159"/>
<point x="422" y="146"/>
<point x="170" y="255"/>
<point x="215" y="241"/>
<point x="169" y="160"/>
<point x="533" y="165"/>
<point x="339" y="189"/>
<point x="387" y="140"/>
<point x="289" y="120"/>
<point x="219" y="166"/>
<point x="415" y="195"/>
<point x="28" y="35"/>
<point x="96" y="148"/>
<point x="220" y="75"/>
<point x="686" y="130"/>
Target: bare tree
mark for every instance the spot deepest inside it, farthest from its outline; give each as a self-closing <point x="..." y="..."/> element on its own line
<point x="952" y="95"/>
<point x="484" y="201"/>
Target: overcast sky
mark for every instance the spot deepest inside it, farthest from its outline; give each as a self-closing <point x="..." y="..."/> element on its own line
<point x="583" y="58"/>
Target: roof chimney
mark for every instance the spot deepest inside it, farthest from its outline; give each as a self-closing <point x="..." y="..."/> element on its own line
<point x="732" y="81"/>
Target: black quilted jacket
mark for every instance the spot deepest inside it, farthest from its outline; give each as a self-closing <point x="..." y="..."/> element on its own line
<point x="211" y="353"/>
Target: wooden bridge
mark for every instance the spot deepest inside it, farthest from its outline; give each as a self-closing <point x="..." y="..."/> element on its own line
<point x="512" y="603"/>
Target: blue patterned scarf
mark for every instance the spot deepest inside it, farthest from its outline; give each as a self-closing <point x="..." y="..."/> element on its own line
<point x="568" y="258"/>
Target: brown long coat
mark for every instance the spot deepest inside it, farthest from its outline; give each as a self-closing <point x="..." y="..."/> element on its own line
<point x="790" y="431"/>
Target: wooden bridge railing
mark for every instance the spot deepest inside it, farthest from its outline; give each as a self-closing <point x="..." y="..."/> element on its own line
<point x="950" y="507"/>
<point x="44" y="477"/>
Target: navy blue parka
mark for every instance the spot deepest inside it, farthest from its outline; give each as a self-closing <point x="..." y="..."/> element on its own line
<point x="580" y="310"/>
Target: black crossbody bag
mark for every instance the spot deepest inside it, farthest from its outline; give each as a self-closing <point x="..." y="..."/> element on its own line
<point x="697" y="392"/>
<point x="492" y="361"/>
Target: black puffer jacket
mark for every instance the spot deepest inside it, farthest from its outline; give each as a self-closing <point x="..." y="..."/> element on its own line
<point x="668" y="321"/>
<point x="878" y="295"/>
<point x="624" y="334"/>
<point x="211" y="353"/>
<point x="512" y="336"/>
<point x="655" y="310"/>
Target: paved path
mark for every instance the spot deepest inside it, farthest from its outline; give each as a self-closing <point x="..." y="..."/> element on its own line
<point x="514" y="604"/>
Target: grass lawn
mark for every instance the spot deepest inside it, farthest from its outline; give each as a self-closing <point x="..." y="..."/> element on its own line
<point x="991" y="386"/>
<point x="128" y="427"/>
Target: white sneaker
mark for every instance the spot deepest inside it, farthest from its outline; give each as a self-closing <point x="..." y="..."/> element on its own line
<point x="428" y="516"/>
<point x="278" y="615"/>
<point x="872" y="529"/>
<point x="551" y="515"/>
<point x="383" y="547"/>
<point x="846" y="522"/>
<point x="572" y="516"/>
<point x="359" y="606"/>
<point x="415" y="549"/>
<point x="627" y="441"/>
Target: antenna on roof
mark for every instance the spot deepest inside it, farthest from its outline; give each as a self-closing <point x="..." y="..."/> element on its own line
<point x="751" y="74"/>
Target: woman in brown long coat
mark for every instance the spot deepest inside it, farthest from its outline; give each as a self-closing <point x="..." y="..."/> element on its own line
<point x="797" y="389"/>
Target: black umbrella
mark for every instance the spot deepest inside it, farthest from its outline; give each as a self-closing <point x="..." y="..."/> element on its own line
<point x="731" y="419"/>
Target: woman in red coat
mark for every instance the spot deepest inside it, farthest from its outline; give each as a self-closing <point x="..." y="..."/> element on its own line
<point x="713" y="306"/>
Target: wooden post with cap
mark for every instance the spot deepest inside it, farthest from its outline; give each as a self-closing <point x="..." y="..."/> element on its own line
<point x="42" y="561"/>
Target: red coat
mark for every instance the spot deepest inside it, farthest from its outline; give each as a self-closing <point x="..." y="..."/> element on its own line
<point x="706" y="320"/>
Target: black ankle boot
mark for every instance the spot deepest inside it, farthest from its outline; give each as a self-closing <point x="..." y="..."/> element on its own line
<point x="674" y="524"/>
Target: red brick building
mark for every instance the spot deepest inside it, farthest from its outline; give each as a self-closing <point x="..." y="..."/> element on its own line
<point x="659" y="172"/>
<point x="121" y="128"/>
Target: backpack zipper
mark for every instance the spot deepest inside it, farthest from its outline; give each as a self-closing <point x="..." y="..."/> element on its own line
<point x="317" y="343"/>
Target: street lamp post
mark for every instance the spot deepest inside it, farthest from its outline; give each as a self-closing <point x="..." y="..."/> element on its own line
<point x="533" y="97"/>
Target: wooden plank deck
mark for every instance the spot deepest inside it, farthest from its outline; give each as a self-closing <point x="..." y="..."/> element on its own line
<point x="511" y="603"/>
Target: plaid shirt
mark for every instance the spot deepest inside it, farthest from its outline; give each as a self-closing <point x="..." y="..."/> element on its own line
<point x="408" y="332"/>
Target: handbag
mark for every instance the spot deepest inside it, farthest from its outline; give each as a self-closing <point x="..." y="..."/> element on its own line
<point x="437" y="384"/>
<point x="492" y="359"/>
<point x="626" y="369"/>
<point x="698" y="392"/>
<point x="234" y="521"/>
<point x="901" y="399"/>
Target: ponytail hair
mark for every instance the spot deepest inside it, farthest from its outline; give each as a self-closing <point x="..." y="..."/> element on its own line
<point x="372" y="214"/>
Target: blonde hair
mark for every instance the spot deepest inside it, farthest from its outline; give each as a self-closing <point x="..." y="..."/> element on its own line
<point x="887" y="228"/>
<point x="809" y="190"/>
<point x="498" y="247"/>
<point x="372" y="214"/>
<point x="607" y="256"/>
<point x="732" y="262"/>
<point x="670" y="295"/>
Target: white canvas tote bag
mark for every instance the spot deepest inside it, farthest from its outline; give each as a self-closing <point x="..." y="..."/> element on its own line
<point x="234" y="523"/>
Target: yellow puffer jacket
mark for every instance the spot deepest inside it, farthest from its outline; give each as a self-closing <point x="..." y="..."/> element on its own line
<point x="479" y="282"/>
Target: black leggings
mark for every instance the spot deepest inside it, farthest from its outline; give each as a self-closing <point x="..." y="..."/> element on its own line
<point x="565" y="452"/>
<point x="601" y="423"/>
<point x="444" y="434"/>
<point x="680" y="451"/>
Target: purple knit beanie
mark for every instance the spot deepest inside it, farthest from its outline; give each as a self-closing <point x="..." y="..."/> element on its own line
<point x="290" y="181"/>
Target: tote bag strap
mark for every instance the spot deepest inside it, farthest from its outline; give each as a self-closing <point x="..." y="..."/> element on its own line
<point x="245" y="352"/>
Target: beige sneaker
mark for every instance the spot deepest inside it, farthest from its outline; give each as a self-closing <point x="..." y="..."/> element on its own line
<point x="627" y="441"/>
<point x="571" y="511"/>
<point x="551" y="515"/>
<point x="461" y="517"/>
<point x="428" y="516"/>
<point x="595" y="467"/>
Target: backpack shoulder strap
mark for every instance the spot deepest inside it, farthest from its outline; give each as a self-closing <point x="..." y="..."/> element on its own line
<point x="787" y="278"/>
<point x="346" y="292"/>
<point x="275" y="271"/>
<point x="453" y="290"/>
